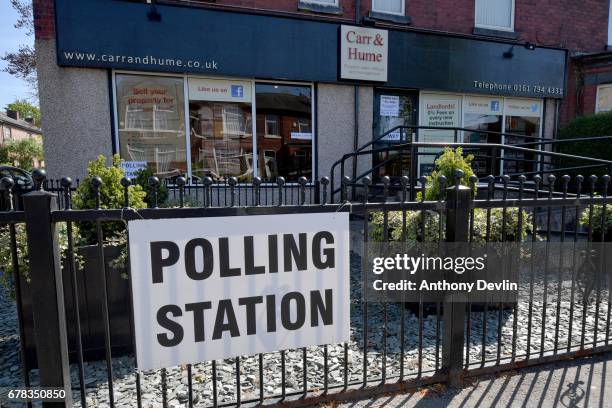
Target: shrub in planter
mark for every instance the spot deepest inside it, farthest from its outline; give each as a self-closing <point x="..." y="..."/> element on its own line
<point x="447" y="165"/>
<point x="414" y="222"/>
<point x="91" y="271"/>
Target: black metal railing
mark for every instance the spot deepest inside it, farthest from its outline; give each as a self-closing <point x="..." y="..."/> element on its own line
<point x="207" y="192"/>
<point x="538" y="155"/>
<point x="416" y="149"/>
<point x="392" y="347"/>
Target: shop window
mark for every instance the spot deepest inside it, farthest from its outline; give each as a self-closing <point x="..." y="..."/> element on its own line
<point x="284" y="131"/>
<point x="151" y="123"/>
<point x="437" y="110"/>
<point x="221" y="129"/>
<point x="523" y="118"/>
<point x="495" y="14"/>
<point x="388" y="6"/>
<point x="483" y="115"/>
<point x="604" y="98"/>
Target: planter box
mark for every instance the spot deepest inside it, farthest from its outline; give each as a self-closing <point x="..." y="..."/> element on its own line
<point x="91" y="304"/>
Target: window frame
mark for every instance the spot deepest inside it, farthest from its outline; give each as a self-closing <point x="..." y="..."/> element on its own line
<point x="267" y="134"/>
<point x="253" y="82"/>
<point x="6" y="134"/>
<point x="493" y="27"/>
<point x="402" y="13"/>
<point x="599" y="87"/>
<point x="336" y="3"/>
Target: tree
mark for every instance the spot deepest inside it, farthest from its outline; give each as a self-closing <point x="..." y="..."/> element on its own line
<point x="22" y="153"/>
<point x="26" y="110"/>
<point x="22" y="63"/>
<point x="25" y="152"/>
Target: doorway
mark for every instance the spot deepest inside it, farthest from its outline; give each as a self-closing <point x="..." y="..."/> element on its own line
<point x="393" y="108"/>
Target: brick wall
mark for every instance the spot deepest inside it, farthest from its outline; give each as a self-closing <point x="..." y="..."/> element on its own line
<point x="44" y="19"/>
<point x="577" y="25"/>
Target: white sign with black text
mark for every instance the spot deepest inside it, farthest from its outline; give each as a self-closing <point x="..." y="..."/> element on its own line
<point x="131" y="168"/>
<point x="389" y="105"/>
<point x="363" y="53"/>
<point x="220" y="287"/>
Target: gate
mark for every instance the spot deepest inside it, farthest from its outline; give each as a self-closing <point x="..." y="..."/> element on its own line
<point x="392" y="347"/>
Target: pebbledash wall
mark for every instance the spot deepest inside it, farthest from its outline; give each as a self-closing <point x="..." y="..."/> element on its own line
<point x="269" y="95"/>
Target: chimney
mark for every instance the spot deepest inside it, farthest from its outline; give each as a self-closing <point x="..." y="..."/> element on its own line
<point x="12" y="114"/>
<point x="30" y="120"/>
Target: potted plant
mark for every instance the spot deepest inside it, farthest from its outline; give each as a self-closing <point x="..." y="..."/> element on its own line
<point x="89" y="266"/>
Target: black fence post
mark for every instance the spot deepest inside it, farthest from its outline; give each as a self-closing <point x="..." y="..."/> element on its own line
<point x="47" y="294"/>
<point x="457" y="229"/>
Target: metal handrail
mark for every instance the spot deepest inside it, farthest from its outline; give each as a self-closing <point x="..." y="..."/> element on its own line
<point x="413" y="146"/>
<point x="403" y="129"/>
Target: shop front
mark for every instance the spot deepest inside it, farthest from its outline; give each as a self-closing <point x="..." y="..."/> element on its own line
<point x="216" y="93"/>
<point x="203" y="127"/>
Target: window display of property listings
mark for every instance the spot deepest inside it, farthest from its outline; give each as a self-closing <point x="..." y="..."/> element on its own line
<point x="220" y="287"/>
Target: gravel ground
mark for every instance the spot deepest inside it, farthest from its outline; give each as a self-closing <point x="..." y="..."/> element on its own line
<point x="176" y="377"/>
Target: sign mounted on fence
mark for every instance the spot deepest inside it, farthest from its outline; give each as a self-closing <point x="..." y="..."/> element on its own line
<point x="220" y="287"/>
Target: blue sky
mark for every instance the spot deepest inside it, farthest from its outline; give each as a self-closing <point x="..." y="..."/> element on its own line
<point x="11" y="88"/>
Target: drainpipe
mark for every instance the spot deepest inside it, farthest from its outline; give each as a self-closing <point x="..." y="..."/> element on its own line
<point x="356" y="106"/>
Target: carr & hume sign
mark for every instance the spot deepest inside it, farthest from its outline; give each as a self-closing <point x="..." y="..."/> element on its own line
<point x="363" y="53"/>
<point x="220" y="287"/>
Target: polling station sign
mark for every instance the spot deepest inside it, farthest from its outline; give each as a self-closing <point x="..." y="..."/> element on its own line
<point x="220" y="287"/>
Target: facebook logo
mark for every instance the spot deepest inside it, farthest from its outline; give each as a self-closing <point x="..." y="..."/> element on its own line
<point x="237" y="91"/>
<point x="534" y="107"/>
<point x="495" y="106"/>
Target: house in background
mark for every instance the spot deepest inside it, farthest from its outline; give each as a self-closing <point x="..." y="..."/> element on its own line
<point x="14" y="128"/>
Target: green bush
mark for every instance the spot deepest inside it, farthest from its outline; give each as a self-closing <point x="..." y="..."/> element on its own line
<point x="111" y="196"/>
<point x="587" y="126"/>
<point x="596" y="220"/>
<point x="142" y="179"/>
<point x="447" y="165"/>
<point x="414" y="233"/>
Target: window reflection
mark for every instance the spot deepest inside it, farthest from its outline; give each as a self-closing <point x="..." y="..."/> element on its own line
<point x="284" y="131"/>
<point x="221" y="140"/>
<point x="484" y="162"/>
<point x="519" y="162"/>
<point x="151" y="122"/>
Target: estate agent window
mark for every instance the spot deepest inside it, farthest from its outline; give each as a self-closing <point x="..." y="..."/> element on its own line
<point x="220" y="129"/>
<point x="151" y="122"/>
<point x="522" y="117"/>
<point x="518" y="119"/>
<point x="495" y="14"/>
<point x="482" y="114"/>
<point x="204" y="127"/>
